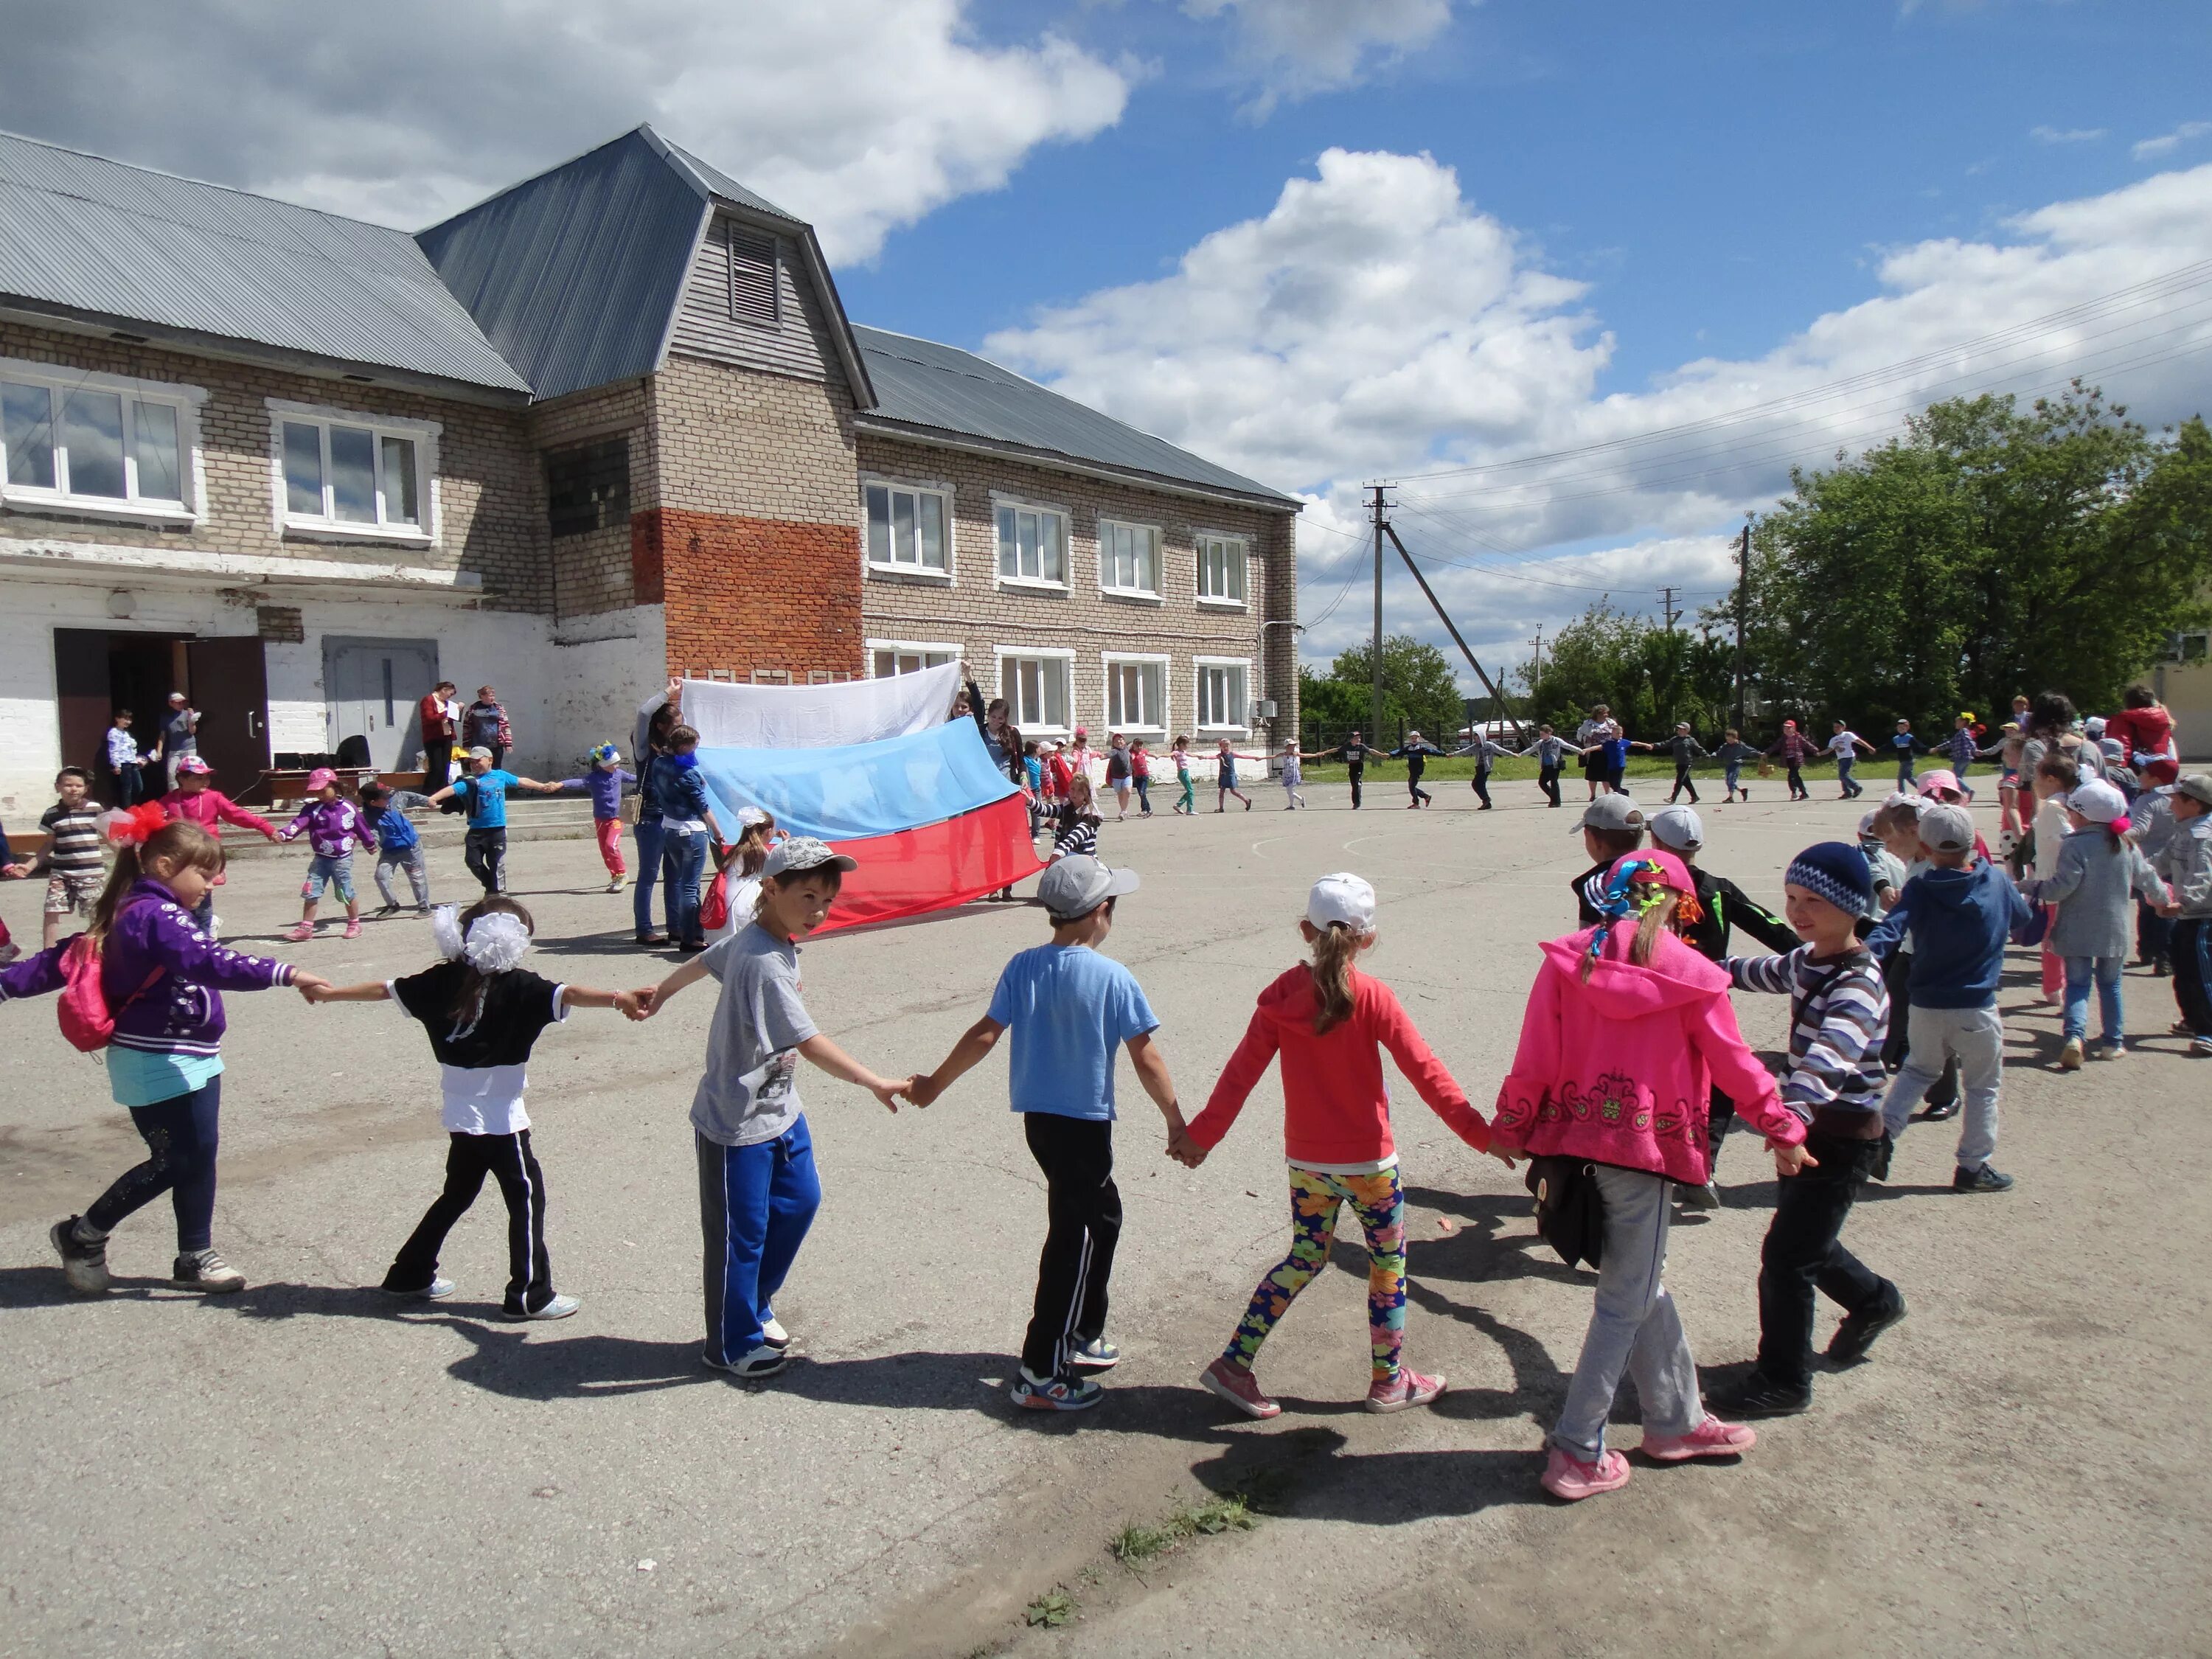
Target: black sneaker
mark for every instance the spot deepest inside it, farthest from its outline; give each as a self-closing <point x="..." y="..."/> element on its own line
<point x="1984" y="1179"/>
<point x="388" y="910"/>
<point x="1758" y="1397"/>
<point x="204" y="1270"/>
<point x="1938" y="1113"/>
<point x="1856" y="1333"/>
<point x="85" y="1266"/>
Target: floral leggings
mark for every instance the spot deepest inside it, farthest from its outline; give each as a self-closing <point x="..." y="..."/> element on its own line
<point x="1379" y="1204"/>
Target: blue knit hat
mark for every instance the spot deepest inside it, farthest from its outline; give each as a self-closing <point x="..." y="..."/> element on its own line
<point x="1836" y="871"/>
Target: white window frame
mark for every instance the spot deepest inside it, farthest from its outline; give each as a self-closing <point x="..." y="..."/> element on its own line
<point x="948" y="648"/>
<point x="1155" y="594"/>
<point x="944" y="492"/>
<point x="1000" y="501"/>
<point x="424" y="434"/>
<point x="186" y="400"/>
<point x="1110" y="660"/>
<point x="1214" y="602"/>
<point x="1003" y="654"/>
<point x="1199" y="666"/>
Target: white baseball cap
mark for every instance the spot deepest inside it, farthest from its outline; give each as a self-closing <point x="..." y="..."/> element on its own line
<point x="1342" y="897"/>
<point x="2098" y="801"/>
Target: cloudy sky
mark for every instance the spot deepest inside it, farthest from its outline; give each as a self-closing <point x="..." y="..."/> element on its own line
<point x="1586" y="280"/>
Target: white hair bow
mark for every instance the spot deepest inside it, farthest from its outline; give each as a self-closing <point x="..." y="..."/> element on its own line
<point x="495" y="943"/>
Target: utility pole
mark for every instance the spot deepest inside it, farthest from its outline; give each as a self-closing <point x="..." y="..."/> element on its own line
<point x="1742" y="603"/>
<point x="1374" y="650"/>
<point x="1536" y="673"/>
<point x="1667" y="604"/>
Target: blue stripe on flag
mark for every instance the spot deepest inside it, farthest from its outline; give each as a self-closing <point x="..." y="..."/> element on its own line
<point x="858" y="790"/>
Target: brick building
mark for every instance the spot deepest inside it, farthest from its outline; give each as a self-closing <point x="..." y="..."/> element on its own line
<point x="612" y="423"/>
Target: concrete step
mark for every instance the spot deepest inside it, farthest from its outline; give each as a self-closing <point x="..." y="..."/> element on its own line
<point x="529" y="818"/>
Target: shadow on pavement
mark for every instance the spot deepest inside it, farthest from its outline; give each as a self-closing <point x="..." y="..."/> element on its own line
<point x="42" y="1287"/>
<point x="1305" y="1475"/>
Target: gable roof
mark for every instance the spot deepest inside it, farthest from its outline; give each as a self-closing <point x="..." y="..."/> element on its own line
<point x="922" y="387"/>
<point x="82" y="234"/>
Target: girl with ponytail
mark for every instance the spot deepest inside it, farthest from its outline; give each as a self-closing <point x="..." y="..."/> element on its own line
<point x="1329" y="1022"/>
<point x="1628" y="1031"/>
<point x="160" y="979"/>
<point x="483" y="1012"/>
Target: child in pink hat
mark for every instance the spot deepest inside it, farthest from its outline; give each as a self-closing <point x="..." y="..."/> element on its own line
<point x="332" y="825"/>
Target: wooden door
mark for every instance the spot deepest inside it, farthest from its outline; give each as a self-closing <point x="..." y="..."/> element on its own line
<point x="230" y="688"/>
<point x="81" y="696"/>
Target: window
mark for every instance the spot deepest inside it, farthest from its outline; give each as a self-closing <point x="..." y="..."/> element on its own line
<point x="1033" y="545"/>
<point x="588" y="489"/>
<point x="352" y="474"/>
<point x="1036" y="690"/>
<point x="888" y="657"/>
<point x="1221" y="570"/>
<point x="906" y="529"/>
<point x="1220" y="694"/>
<point x="1128" y="558"/>
<point x="752" y="276"/>
<point x="76" y="438"/>
<point x="2186" y="648"/>
<point x="1136" y="693"/>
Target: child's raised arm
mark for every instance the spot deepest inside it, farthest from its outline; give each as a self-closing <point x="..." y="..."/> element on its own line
<point x="653" y="1000"/>
<point x="634" y="1004"/>
<point x="975" y="1042"/>
<point x="371" y="990"/>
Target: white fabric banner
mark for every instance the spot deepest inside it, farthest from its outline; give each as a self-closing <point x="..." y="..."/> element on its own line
<point x="739" y="716"/>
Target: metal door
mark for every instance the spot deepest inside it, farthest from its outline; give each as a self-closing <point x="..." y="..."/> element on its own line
<point x="230" y="688"/>
<point x="372" y="687"/>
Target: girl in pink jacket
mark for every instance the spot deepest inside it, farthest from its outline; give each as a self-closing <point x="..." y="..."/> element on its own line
<point x="1628" y="1031"/>
<point x="1330" y="1022"/>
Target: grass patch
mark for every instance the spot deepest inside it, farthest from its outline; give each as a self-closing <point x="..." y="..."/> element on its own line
<point x="1051" y="1610"/>
<point x="1134" y="1545"/>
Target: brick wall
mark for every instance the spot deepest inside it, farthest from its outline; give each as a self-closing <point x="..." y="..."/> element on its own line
<point x="978" y="614"/>
<point x="490" y="493"/>
<point x="746" y="596"/>
<point x="730" y="440"/>
<point x="594" y="573"/>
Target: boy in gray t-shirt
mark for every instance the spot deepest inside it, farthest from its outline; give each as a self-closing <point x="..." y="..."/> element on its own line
<point x="757" y="1188"/>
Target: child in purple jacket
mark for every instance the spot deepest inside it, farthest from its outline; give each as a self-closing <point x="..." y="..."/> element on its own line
<point x="163" y="979"/>
<point x="605" y="783"/>
<point x="332" y="824"/>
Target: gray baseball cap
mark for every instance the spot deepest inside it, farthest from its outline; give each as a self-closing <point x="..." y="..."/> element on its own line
<point x="803" y="853"/>
<point x="2197" y="786"/>
<point x="1678" y="828"/>
<point x="1613" y="811"/>
<point x="1076" y="885"/>
<point x="1947" y="828"/>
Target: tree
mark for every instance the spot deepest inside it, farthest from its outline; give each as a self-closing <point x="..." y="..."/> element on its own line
<point x="1986" y="551"/>
<point x="1649" y="675"/>
<point x="1418" y="687"/>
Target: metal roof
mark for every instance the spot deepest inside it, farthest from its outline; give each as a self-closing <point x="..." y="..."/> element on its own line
<point x="921" y="383"/>
<point x="80" y="232"/>
<point x="575" y="274"/>
<point x="714" y="181"/>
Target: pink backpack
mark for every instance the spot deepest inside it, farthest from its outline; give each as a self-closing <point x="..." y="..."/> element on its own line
<point x="86" y="1019"/>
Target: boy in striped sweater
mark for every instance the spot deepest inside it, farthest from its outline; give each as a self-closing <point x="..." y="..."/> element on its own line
<point x="1838" y="1016"/>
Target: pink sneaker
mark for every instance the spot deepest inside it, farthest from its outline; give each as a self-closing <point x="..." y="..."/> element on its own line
<point x="1409" y="1388"/>
<point x="353" y="930"/>
<point x="301" y="931"/>
<point x="1710" y="1439"/>
<point x="1571" y="1478"/>
<point x="1239" y="1388"/>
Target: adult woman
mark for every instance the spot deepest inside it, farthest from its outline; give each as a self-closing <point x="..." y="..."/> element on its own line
<point x="657" y="716"/>
<point x="2051" y="722"/>
<point x="484" y="725"/>
<point x="2144" y="728"/>
<point x="1591" y="737"/>
<point x="1628" y="1031"/>
<point x="438" y="714"/>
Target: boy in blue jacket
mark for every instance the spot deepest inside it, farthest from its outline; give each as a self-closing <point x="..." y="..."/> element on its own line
<point x="398" y="847"/>
<point x="1960" y="914"/>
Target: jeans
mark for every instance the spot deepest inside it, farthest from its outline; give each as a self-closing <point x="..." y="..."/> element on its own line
<point x="2154" y="934"/>
<point x="1803" y="1250"/>
<point x="755" y="1204"/>
<point x="1356" y="773"/>
<point x="1547" y="780"/>
<point x="1852" y="788"/>
<point x="1683" y="780"/>
<point x="1798" y="791"/>
<point x="1735" y="777"/>
<point x="649" y="837"/>
<point x="1083" y="1210"/>
<point x="1904" y="772"/>
<point x="683" y="861"/>
<point x="1975" y="1038"/>
<point x="180" y="1136"/>
<point x="469" y="1159"/>
<point x="2106" y="971"/>
<point x="1415" y="794"/>
<point x="1634" y="1327"/>
<point x="484" y="850"/>
<point x="410" y="859"/>
<point x="1144" y="796"/>
<point x="129" y="786"/>
<point x="1482" y="787"/>
<point x="2190" y="947"/>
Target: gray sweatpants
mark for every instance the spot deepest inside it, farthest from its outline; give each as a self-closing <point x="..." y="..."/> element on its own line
<point x="1975" y="1038"/>
<point x="1634" y="1327"/>
<point x="410" y="860"/>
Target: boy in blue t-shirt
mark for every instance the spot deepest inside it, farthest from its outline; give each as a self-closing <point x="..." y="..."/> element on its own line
<point x="1069" y="1008"/>
<point x="484" y="793"/>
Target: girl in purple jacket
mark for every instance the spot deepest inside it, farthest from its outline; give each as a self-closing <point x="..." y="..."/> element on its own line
<point x="332" y="824"/>
<point x="163" y="979"/>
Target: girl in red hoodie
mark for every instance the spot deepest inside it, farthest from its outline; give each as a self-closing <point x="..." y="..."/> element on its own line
<point x="1327" y="1019"/>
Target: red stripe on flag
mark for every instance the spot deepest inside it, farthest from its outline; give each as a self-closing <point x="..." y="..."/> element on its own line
<point x="940" y="865"/>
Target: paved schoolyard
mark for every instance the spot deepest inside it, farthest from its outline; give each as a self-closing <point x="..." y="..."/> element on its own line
<point x="302" y="1469"/>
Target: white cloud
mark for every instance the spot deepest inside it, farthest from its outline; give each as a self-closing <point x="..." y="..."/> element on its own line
<point x="859" y="115"/>
<point x="1374" y="322"/>
<point x="2150" y="149"/>
<point x="1299" y="47"/>
<point x="2066" y="135"/>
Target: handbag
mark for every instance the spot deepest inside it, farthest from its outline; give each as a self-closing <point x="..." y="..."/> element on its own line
<point x="2032" y="930"/>
<point x="626" y="810"/>
<point x="1570" y="1209"/>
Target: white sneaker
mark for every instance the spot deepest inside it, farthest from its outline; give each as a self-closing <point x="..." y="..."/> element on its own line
<point x="773" y="1333"/>
<point x="436" y="1291"/>
<point x="763" y="1361"/>
<point x="559" y="1307"/>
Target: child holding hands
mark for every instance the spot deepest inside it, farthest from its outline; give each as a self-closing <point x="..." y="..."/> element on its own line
<point x="1329" y="1022"/>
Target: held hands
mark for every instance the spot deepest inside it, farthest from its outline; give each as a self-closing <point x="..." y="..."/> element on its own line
<point x="889" y="1089"/>
<point x="640" y="1003"/>
<point x="313" y="986"/>
<point x="1184" y="1149"/>
<point x="1789" y="1160"/>
<point x="922" y="1089"/>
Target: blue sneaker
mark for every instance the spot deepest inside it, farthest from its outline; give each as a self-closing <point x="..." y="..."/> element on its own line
<point x="1062" y="1394"/>
<point x="1097" y="1355"/>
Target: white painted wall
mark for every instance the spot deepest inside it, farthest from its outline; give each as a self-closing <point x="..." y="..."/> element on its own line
<point x="563" y="694"/>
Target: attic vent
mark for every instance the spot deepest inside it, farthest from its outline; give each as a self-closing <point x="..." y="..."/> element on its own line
<point x="752" y="276"/>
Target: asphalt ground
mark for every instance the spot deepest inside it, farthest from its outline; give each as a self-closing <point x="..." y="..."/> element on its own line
<point x="304" y="1468"/>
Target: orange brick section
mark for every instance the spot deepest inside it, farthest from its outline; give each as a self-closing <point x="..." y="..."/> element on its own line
<point x="749" y="596"/>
